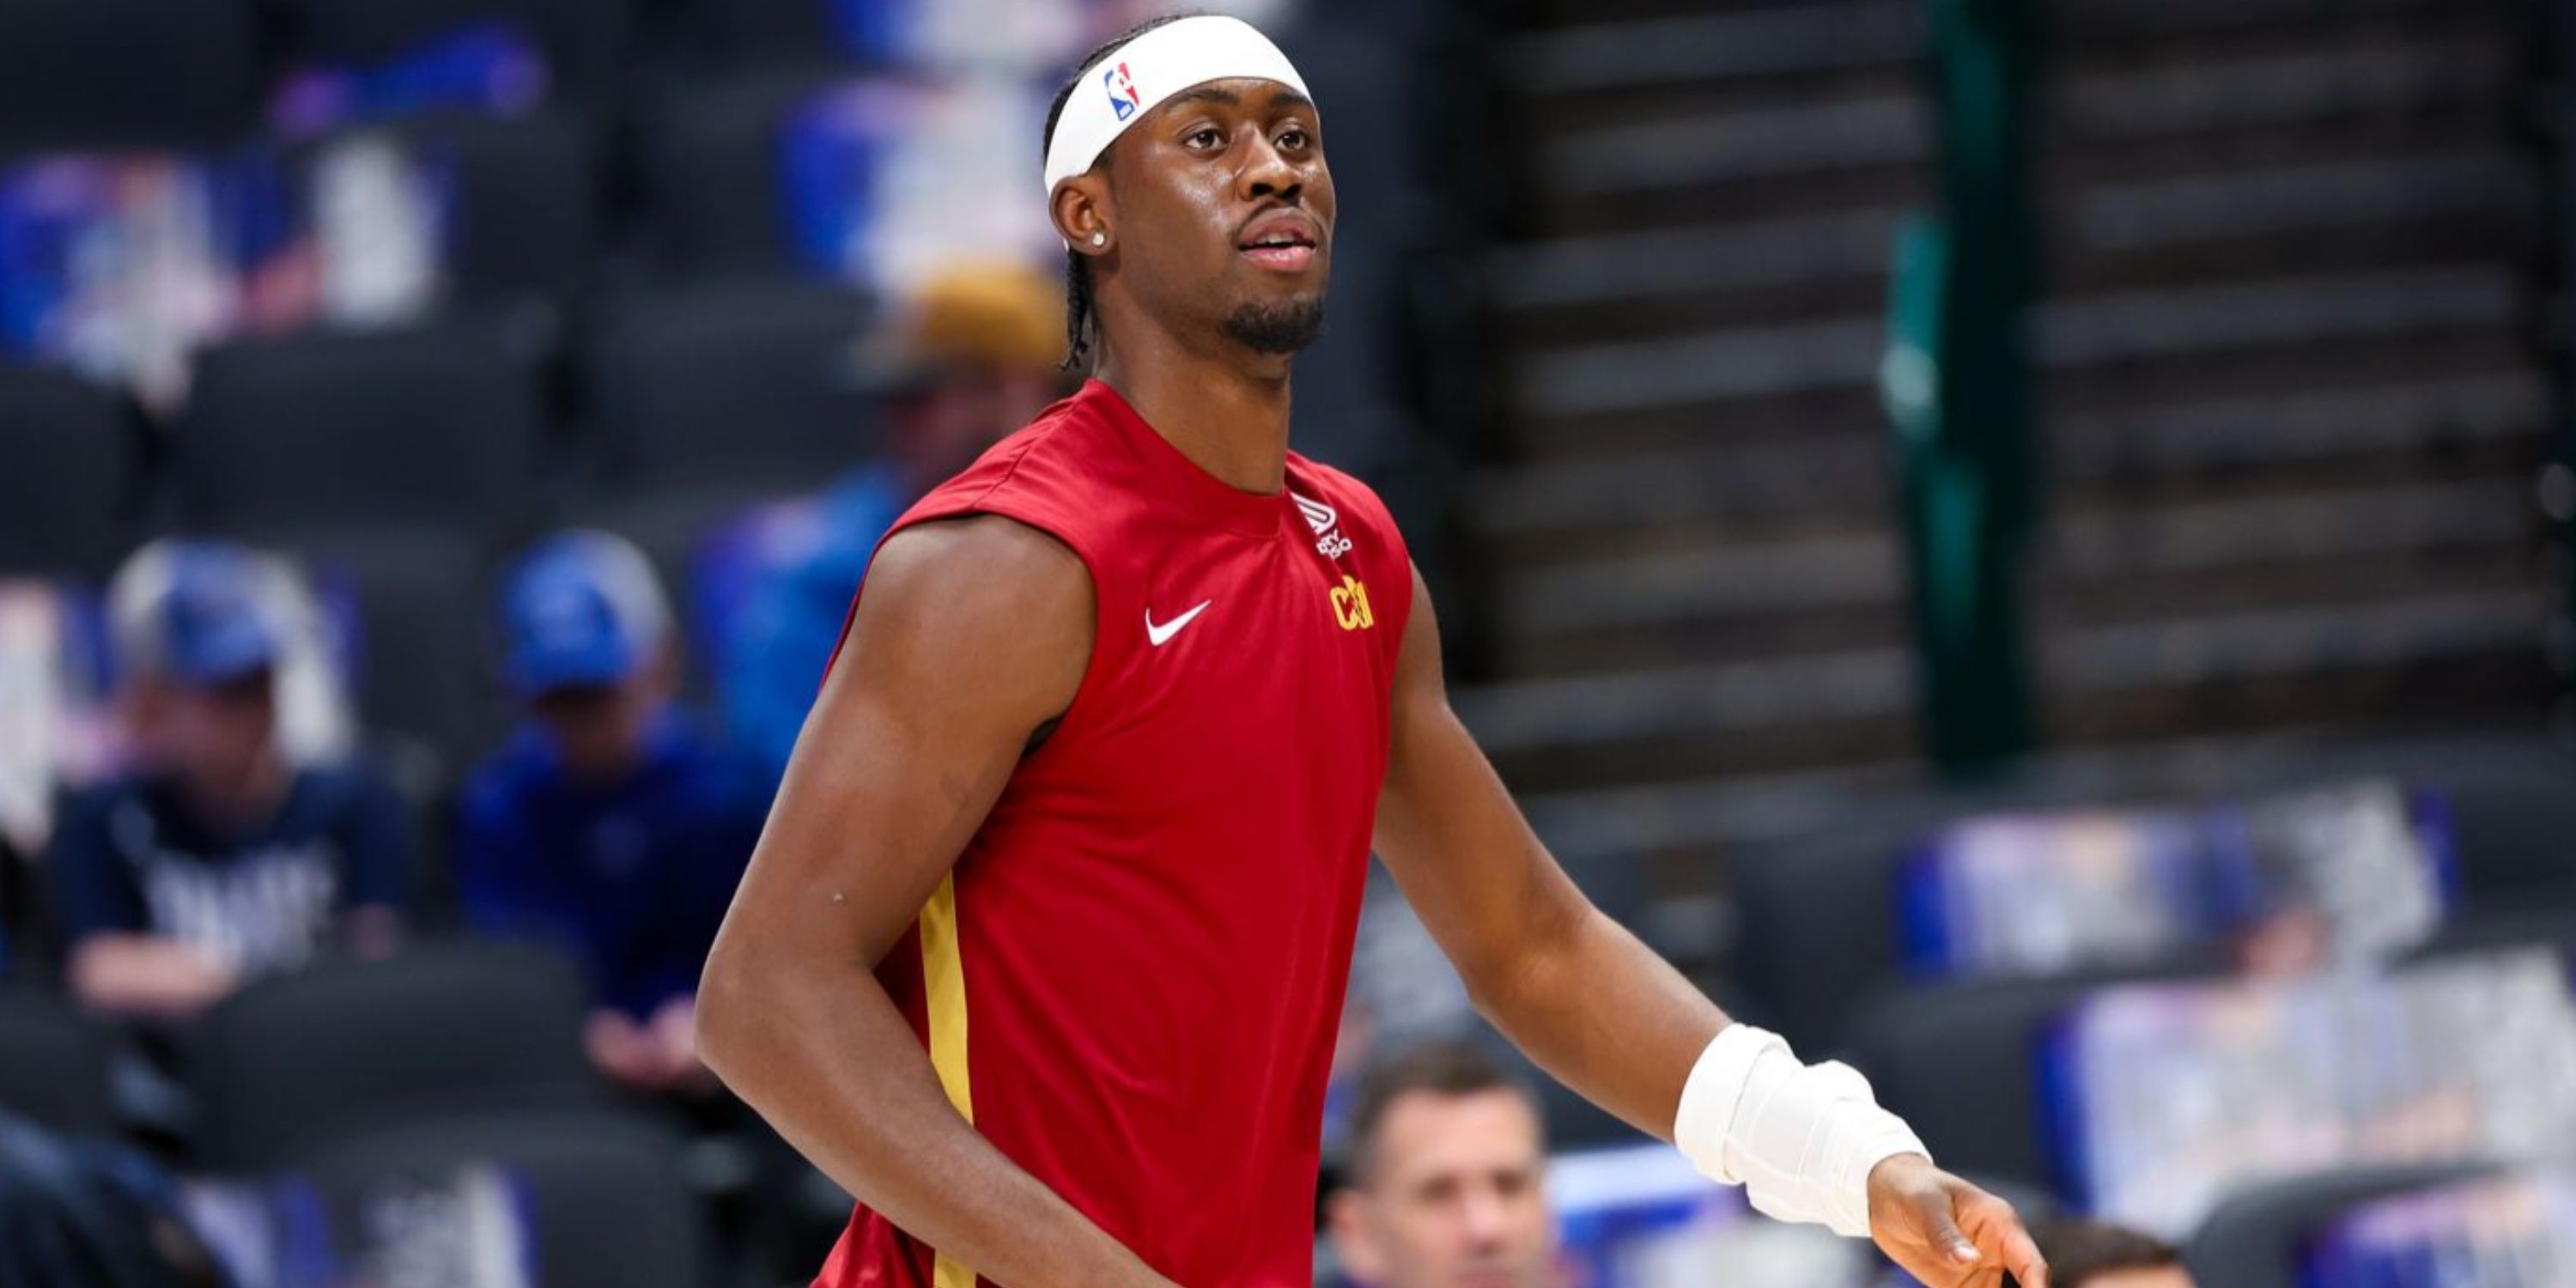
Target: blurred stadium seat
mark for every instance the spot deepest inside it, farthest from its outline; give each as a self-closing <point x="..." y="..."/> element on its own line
<point x="2257" y="1237"/>
<point x="2508" y="798"/>
<point x="296" y="1061"/>
<point x="709" y="399"/>
<point x="56" y="1070"/>
<point x="605" y="1201"/>
<point x="586" y="42"/>
<point x="68" y="496"/>
<point x="439" y="424"/>
<point x="125" y="73"/>
<point x="421" y="664"/>
<point x="1963" y="1063"/>
<point x="749" y="32"/>
<point x="2502" y="798"/>
<point x="711" y="171"/>
<point x="526" y="220"/>
<point x="737" y="383"/>
<point x="2547" y="924"/>
<point x="1837" y="889"/>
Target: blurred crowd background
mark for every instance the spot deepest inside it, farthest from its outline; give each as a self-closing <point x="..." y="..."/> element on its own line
<point x="2022" y="542"/>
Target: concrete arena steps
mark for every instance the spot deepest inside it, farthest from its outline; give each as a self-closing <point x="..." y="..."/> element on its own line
<point x="2381" y="428"/>
<point x="2286" y="381"/>
<point x="2467" y="650"/>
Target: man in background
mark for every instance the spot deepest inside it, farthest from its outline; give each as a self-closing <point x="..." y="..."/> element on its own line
<point x="971" y="356"/>
<point x="2093" y="1254"/>
<point x="1447" y="1178"/>
<point x="217" y="858"/>
<point x="609" y="824"/>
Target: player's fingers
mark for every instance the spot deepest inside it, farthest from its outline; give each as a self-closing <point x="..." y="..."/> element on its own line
<point x="2028" y="1267"/>
<point x="1940" y="1226"/>
<point x="1999" y="1233"/>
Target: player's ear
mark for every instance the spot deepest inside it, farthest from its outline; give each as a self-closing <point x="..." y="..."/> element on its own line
<point x="1083" y="214"/>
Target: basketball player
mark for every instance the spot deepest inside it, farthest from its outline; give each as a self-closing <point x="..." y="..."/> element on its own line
<point x="1042" y="951"/>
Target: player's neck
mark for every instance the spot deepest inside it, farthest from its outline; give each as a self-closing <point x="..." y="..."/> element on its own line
<point x="1229" y="417"/>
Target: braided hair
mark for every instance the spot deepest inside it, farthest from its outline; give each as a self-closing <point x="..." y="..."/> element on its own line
<point x="1081" y="320"/>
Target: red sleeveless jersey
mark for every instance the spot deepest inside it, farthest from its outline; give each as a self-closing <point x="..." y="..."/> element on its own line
<point x="1131" y="981"/>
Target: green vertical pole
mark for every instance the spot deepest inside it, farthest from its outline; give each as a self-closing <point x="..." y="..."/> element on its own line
<point x="1956" y="385"/>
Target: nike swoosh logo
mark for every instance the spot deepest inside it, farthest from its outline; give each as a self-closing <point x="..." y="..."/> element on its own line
<point x="1157" y="635"/>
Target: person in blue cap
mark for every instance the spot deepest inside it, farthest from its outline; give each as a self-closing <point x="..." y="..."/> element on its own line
<point x="608" y="823"/>
<point x="216" y="858"/>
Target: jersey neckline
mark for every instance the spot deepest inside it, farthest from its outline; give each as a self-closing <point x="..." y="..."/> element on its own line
<point x="1256" y="514"/>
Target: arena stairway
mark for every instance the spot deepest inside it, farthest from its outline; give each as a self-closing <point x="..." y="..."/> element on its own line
<point x="2289" y="400"/>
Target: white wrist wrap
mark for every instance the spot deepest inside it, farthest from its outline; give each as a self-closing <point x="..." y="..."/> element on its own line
<point x="1801" y="1139"/>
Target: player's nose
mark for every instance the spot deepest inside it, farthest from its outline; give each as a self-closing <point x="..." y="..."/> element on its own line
<point x="1267" y="174"/>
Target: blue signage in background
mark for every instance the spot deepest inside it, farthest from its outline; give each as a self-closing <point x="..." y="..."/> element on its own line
<point x="487" y="68"/>
<point x="2515" y="1231"/>
<point x="1640" y="1216"/>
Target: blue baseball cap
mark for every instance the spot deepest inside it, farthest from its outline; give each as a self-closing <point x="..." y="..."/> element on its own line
<point x="216" y="621"/>
<point x="580" y="609"/>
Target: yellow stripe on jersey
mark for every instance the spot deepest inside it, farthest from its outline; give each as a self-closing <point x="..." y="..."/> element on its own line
<point x="943" y="978"/>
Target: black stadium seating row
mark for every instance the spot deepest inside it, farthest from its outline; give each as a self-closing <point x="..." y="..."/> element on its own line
<point x="538" y="195"/>
<point x="2504" y="795"/>
<point x="359" y="1074"/>
<point x="159" y="73"/>
<point x="410" y="459"/>
<point x="1958" y="1057"/>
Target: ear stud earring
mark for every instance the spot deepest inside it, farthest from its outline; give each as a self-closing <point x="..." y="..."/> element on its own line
<point x="1100" y="239"/>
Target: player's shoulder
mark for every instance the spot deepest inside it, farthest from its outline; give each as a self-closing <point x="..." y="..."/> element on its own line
<point x="1037" y="474"/>
<point x="976" y="573"/>
<point x="1008" y="527"/>
<point x="975" y="599"/>
<point x="988" y="546"/>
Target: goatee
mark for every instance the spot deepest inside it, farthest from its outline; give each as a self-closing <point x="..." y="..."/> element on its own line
<point x="1276" y="328"/>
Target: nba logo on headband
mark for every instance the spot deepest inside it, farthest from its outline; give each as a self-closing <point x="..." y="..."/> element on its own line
<point x="1123" y="98"/>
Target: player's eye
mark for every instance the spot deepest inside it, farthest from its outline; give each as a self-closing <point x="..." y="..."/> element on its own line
<point x="1206" y="136"/>
<point x="1293" y="139"/>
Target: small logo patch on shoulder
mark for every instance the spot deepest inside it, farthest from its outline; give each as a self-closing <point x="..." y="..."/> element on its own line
<point x="1329" y="541"/>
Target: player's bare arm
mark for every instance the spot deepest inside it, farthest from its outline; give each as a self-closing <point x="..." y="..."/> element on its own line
<point x="1582" y="996"/>
<point x="972" y="637"/>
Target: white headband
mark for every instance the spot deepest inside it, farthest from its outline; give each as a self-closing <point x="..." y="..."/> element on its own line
<point x="1115" y="92"/>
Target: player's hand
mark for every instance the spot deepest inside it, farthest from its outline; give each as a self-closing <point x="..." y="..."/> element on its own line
<point x="1946" y="1232"/>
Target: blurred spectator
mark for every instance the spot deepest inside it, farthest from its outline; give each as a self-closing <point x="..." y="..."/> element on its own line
<point x="2092" y="1254"/>
<point x="217" y="857"/>
<point x="1447" y="1181"/>
<point x="973" y="357"/>
<point x="608" y="823"/>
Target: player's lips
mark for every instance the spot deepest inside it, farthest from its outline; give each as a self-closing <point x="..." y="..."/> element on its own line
<point x="1283" y="240"/>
